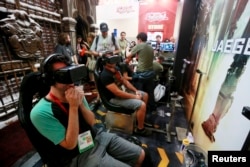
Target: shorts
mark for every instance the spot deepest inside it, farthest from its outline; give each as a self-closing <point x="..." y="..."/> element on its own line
<point x="110" y="150"/>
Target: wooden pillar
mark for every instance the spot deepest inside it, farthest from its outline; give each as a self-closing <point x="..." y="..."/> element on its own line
<point x="68" y="22"/>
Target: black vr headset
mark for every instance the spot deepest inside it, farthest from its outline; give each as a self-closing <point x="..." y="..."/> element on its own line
<point x="70" y="74"/>
<point x="66" y="75"/>
<point x="109" y="58"/>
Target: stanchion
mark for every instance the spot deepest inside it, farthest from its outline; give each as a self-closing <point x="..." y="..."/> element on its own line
<point x="190" y="123"/>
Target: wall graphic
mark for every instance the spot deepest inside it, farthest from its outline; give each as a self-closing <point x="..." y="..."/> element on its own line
<point x="220" y="50"/>
<point x="158" y="16"/>
<point x="23" y="33"/>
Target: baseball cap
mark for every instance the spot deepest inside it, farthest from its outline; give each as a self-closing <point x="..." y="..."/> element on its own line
<point x="104" y="27"/>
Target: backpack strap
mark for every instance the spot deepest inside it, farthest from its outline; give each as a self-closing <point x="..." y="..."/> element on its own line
<point x="96" y="41"/>
<point x="97" y="38"/>
<point x="113" y="40"/>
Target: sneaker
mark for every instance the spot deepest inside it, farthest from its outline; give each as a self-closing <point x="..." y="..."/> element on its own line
<point x="143" y="132"/>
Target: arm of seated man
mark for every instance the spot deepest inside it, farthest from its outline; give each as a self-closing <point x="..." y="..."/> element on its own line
<point x="119" y="93"/>
<point x="129" y="86"/>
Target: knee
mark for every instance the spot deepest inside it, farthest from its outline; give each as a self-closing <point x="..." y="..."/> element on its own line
<point x="141" y="157"/>
<point x="143" y="106"/>
<point x="145" y="96"/>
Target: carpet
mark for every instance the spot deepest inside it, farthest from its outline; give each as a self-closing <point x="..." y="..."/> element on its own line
<point x="14" y="144"/>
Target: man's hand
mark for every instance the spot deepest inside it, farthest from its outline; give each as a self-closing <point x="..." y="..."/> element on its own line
<point x="74" y="96"/>
<point x="138" y="96"/>
<point x="127" y="60"/>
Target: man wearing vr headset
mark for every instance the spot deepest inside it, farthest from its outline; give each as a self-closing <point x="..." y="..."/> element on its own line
<point x="131" y="98"/>
<point x="64" y="118"/>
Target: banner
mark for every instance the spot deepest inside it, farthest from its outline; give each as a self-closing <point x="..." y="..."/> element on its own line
<point x="219" y="71"/>
<point x="158" y="16"/>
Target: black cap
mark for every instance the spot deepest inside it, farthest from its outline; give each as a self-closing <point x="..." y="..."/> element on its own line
<point x="104" y="27"/>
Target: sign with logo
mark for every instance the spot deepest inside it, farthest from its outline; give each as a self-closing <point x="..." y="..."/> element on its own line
<point x="158" y="16"/>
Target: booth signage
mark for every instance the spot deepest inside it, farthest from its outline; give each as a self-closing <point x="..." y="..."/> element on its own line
<point x="156" y="16"/>
<point x="155" y="27"/>
<point x="125" y="9"/>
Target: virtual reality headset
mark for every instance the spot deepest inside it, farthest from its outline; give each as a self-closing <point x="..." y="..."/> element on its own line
<point x="70" y="74"/>
<point x="112" y="59"/>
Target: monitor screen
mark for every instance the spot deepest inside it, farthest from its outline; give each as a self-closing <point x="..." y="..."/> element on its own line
<point x="167" y="46"/>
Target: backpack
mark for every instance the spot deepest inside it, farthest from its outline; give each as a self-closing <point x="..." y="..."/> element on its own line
<point x="97" y="38"/>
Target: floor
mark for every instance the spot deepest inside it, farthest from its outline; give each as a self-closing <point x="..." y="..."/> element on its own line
<point x="164" y="147"/>
<point x="164" y="144"/>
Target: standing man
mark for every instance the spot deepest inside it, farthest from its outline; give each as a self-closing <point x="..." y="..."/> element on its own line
<point x="64" y="47"/>
<point x="145" y="73"/>
<point x="104" y="42"/>
<point x="123" y="43"/>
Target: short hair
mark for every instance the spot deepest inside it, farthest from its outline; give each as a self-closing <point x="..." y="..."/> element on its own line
<point x="79" y="36"/>
<point x="123" y="33"/>
<point x="47" y="66"/>
<point x="91" y="35"/>
<point x="142" y="36"/>
<point x="62" y="37"/>
<point x="158" y="36"/>
<point x="161" y="58"/>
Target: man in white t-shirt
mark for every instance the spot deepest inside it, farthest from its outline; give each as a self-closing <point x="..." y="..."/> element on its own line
<point x="124" y="44"/>
<point x="104" y="42"/>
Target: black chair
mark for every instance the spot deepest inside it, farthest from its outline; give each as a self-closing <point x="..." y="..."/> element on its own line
<point x="31" y="90"/>
<point x="118" y="118"/>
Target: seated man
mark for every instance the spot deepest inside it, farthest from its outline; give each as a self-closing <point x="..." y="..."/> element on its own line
<point x="131" y="98"/>
<point x="158" y="67"/>
<point x="63" y="117"/>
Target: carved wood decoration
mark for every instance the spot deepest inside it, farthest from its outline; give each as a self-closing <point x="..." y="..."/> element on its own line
<point x="23" y="34"/>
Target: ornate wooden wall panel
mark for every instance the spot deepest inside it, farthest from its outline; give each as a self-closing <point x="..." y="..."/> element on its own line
<point x="13" y="68"/>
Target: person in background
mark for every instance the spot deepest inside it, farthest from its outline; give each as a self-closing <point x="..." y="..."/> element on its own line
<point x="144" y="71"/>
<point x="91" y="58"/>
<point x="158" y="45"/>
<point x="158" y="67"/>
<point x="104" y="42"/>
<point x="132" y="98"/>
<point x="82" y="50"/>
<point x="132" y="44"/>
<point x="123" y="43"/>
<point x="64" y="47"/>
<point x="63" y="117"/>
<point x="126" y="71"/>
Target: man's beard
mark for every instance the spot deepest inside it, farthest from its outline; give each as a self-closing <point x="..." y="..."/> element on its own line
<point x="67" y="43"/>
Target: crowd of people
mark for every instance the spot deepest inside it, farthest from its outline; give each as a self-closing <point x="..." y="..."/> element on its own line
<point x="146" y="61"/>
<point x="64" y="114"/>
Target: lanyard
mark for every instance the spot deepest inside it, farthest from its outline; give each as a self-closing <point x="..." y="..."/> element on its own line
<point x="57" y="101"/>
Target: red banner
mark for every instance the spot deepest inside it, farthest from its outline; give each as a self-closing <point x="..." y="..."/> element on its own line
<point x="158" y="16"/>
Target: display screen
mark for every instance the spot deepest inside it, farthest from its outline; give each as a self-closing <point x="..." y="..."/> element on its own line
<point x="167" y="46"/>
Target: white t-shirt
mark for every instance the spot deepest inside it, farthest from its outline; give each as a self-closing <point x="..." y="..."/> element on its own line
<point x="104" y="44"/>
